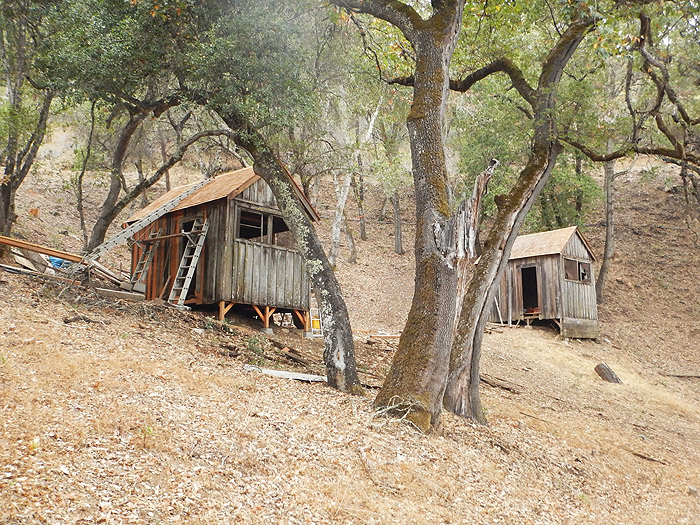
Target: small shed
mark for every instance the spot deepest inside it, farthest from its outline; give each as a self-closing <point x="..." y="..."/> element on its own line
<point x="248" y="255"/>
<point x="550" y="276"/>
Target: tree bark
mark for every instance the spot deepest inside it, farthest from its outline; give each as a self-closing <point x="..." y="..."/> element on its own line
<point x="350" y="237"/>
<point x="480" y="283"/>
<point x="609" y="250"/>
<point x="18" y="162"/>
<point x="398" y="244"/>
<point x="415" y="382"/>
<point x="462" y="391"/>
<point x="359" y="187"/>
<point x="79" y="195"/>
<point x="341" y="192"/>
<point x="339" y="351"/>
<point x="431" y="365"/>
<point x="108" y="210"/>
<point x="381" y="216"/>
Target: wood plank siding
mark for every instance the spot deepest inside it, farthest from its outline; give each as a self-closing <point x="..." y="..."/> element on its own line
<point x="260" y="194"/>
<point x="267" y="275"/>
<point x="510" y="293"/>
<point x="230" y="269"/>
<point x="569" y="299"/>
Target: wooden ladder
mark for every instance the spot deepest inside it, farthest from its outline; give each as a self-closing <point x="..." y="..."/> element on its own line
<point x="139" y="225"/>
<point x="188" y="263"/>
<point x="138" y="278"/>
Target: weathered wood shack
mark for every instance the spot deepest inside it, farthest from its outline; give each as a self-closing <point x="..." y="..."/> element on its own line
<point x="550" y="276"/>
<point x="248" y="255"/>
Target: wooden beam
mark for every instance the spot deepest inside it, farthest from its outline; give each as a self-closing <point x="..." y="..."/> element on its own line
<point x="120" y="294"/>
<point x="265" y="316"/>
<point x="304" y="319"/>
<point x="310" y="378"/>
<point x="165" y="286"/>
<point x="162" y="237"/>
<point x="40" y="249"/>
<point x="223" y="309"/>
<point x="268" y="313"/>
<point x="24" y="271"/>
<point x="257" y="310"/>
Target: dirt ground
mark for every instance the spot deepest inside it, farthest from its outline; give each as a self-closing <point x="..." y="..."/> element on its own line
<point x="138" y="413"/>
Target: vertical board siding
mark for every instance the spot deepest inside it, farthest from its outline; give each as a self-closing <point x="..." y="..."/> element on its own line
<point x="558" y="298"/>
<point x="230" y="269"/>
<point x="576" y="249"/>
<point x="269" y="275"/>
<point x="579" y="299"/>
<point x="258" y="193"/>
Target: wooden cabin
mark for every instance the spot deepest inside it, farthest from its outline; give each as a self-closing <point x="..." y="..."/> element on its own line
<point x="248" y="255"/>
<point x="550" y="276"/>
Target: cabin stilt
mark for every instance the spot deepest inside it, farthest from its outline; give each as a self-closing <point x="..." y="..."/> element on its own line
<point x="224" y="307"/>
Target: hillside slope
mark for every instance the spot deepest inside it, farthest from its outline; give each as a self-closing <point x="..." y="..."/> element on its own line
<point x="141" y="414"/>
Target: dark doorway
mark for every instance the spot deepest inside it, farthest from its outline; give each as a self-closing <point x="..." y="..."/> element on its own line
<point x="528" y="277"/>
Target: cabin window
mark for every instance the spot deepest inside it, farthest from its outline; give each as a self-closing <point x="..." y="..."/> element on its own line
<point x="252" y="226"/>
<point x="577" y="271"/>
<point x="263" y="228"/>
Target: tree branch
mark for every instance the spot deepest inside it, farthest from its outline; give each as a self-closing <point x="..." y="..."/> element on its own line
<point x="501" y="65"/>
<point x="172" y="160"/>
<point x="401" y="15"/>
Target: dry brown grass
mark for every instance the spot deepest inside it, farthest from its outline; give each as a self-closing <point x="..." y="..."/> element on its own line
<point x="143" y="420"/>
<point x="155" y="427"/>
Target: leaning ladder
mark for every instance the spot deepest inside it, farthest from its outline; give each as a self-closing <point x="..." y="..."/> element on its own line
<point x="144" y="263"/>
<point x="188" y="263"/>
<point x="140" y="224"/>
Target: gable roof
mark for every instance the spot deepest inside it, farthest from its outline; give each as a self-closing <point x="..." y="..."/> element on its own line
<point x="227" y="185"/>
<point x="546" y="243"/>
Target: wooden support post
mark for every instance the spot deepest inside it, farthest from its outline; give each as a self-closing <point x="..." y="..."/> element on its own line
<point x="268" y="313"/>
<point x="265" y="316"/>
<point x="304" y="319"/>
<point x="165" y="287"/>
<point x="223" y="309"/>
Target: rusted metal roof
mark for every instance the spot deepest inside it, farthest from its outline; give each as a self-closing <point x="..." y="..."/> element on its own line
<point x="545" y="243"/>
<point x="227" y="185"/>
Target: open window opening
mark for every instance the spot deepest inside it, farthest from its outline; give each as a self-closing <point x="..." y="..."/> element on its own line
<point x="252" y="226"/>
<point x="263" y="228"/>
<point x="579" y="271"/>
<point x="528" y="279"/>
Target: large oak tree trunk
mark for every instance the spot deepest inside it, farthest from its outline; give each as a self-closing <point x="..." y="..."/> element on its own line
<point x="462" y="391"/>
<point x="415" y="382"/>
<point x="481" y="281"/>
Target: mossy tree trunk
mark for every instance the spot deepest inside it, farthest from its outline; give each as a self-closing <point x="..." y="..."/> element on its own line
<point x="437" y="361"/>
<point x="462" y="391"/>
<point x="415" y="382"/>
<point x="339" y="352"/>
